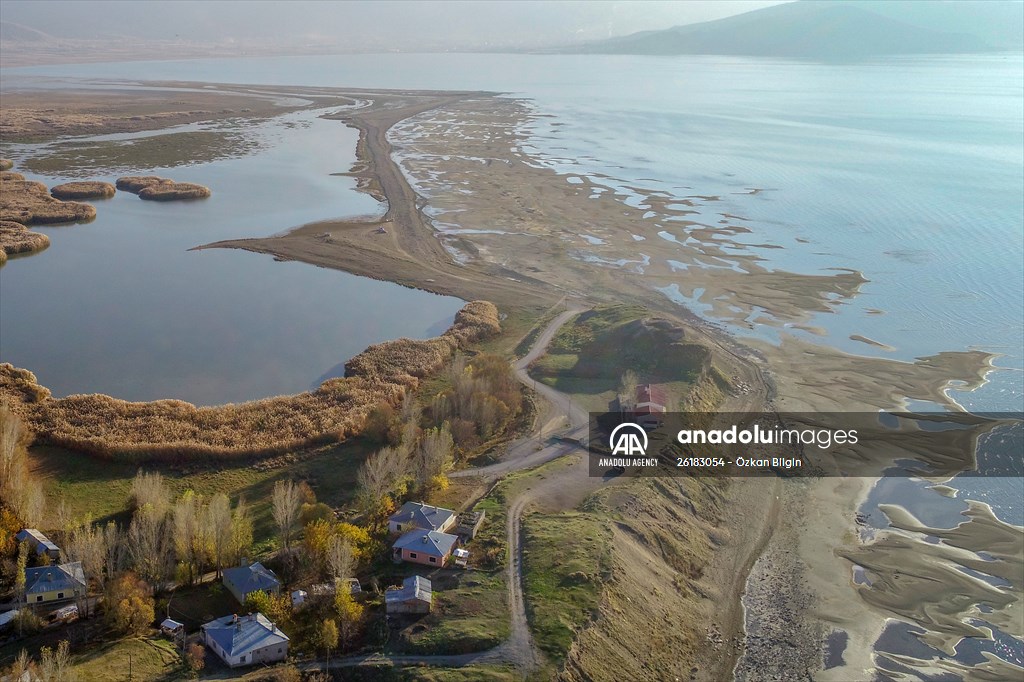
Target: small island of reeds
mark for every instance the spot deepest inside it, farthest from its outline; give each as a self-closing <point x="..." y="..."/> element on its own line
<point x="83" y="190"/>
<point x="29" y="203"/>
<point x="6" y="164"/>
<point x="15" y="238"/>
<point x="155" y="188"/>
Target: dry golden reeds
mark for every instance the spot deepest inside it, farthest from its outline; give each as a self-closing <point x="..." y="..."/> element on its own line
<point x="28" y="203"/>
<point x="83" y="190"/>
<point x="155" y="188"/>
<point x="10" y="175"/>
<point x="175" y="191"/>
<point x="6" y="164"/>
<point x="134" y="183"/>
<point x="176" y="430"/>
<point x="16" y="238"/>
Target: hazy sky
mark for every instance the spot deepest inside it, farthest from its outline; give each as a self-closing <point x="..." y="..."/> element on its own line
<point x="401" y="24"/>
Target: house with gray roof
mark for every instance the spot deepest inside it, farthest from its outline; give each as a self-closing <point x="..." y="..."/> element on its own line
<point x="54" y="583"/>
<point x="416" y="515"/>
<point x="414" y="596"/>
<point x="429" y="548"/>
<point x="245" y="640"/>
<point x="241" y="581"/>
<point x="39" y="542"/>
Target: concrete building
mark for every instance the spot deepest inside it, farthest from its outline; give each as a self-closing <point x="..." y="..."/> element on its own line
<point x="429" y="548"/>
<point x="45" y="584"/>
<point x="39" y="543"/>
<point x="245" y="640"/>
<point x="241" y="581"/>
<point x="414" y="596"/>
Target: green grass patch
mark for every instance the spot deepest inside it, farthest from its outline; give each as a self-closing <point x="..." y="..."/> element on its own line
<point x="151" y="660"/>
<point x="100" y="488"/>
<point x="566" y="561"/>
<point x="470" y="673"/>
<point x="470" y="614"/>
<point x="589" y="355"/>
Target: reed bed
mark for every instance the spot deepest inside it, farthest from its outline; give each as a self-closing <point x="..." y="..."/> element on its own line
<point x="10" y="175"/>
<point x="6" y="164"/>
<point x="83" y="190"/>
<point x="175" y="191"/>
<point x="15" y="238"/>
<point x="135" y="183"/>
<point x="155" y="188"/>
<point x="173" y="430"/>
<point x="29" y="203"/>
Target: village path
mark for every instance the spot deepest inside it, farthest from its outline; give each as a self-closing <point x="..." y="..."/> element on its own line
<point x="519" y="649"/>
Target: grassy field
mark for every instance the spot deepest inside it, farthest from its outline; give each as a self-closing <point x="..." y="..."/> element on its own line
<point x="100" y="488"/>
<point x="589" y="355"/>
<point x="470" y="673"/>
<point x="566" y="560"/>
<point x="151" y="660"/>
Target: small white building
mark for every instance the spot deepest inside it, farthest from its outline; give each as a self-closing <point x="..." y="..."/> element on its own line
<point x="172" y="628"/>
<point x="299" y="598"/>
<point x="245" y="640"/>
<point x="461" y="557"/>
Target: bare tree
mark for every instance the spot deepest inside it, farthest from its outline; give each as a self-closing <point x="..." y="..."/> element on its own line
<point x="22" y="493"/>
<point x="187" y="529"/>
<point x="115" y="551"/>
<point x="150" y="545"/>
<point x="286" y="501"/>
<point x="55" y="665"/>
<point x="150" y="489"/>
<point x="219" y="524"/>
<point x="379" y="475"/>
<point x="241" y="532"/>
<point x="434" y="455"/>
<point x="340" y="559"/>
<point x="85" y="543"/>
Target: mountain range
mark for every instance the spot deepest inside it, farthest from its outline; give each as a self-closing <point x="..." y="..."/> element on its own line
<point x="836" y="31"/>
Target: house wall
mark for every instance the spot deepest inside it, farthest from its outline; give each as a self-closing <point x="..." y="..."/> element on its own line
<point x="411" y="606"/>
<point x="51" y="596"/>
<point x="415" y="557"/>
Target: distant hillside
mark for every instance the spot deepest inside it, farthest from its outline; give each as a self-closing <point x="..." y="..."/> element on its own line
<point x="836" y="31"/>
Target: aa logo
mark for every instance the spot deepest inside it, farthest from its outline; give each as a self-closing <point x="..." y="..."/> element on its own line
<point x="629" y="439"/>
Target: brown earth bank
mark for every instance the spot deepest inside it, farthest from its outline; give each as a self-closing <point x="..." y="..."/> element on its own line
<point x="175" y="430"/>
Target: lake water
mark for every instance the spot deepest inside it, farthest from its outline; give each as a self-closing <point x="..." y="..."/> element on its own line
<point x="121" y="306"/>
<point x="911" y="171"/>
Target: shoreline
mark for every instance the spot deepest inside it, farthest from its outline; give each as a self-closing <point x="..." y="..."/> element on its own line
<point x="521" y="273"/>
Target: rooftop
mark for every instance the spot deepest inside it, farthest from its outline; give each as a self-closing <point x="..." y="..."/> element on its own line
<point x="423" y="515"/>
<point x="431" y="543"/>
<point x="413" y="587"/>
<point x="251" y="578"/>
<point x="238" y="635"/>
<point x="65" y="577"/>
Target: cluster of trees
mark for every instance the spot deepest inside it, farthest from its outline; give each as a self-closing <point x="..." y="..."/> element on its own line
<point x="184" y="538"/>
<point x="21" y="494"/>
<point x="483" y="398"/>
<point x="54" y="665"/>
